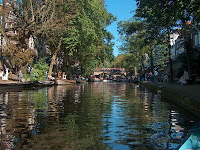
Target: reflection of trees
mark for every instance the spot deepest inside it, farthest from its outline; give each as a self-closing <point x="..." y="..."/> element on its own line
<point x="17" y="118"/>
<point x="77" y="116"/>
<point x="19" y="112"/>
<point x="79" y="126"/>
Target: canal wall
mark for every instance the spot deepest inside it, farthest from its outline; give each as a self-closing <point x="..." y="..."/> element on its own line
<point x="177" y="96"/>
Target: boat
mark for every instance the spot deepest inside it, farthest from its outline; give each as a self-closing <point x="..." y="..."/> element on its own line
<point x="95" y="79"/>
<point x="193" y="140"/>
<point x="107" y="80"/>
<point x="80" y="80"/>
<point x="43" y="83"/>
<point x="64" y="81"/>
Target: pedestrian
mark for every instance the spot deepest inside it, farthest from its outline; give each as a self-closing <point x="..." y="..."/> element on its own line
<point x="143" y="77"/>
<point x="184" y="78"/>
<point x="155" y="76"/>
<point x="150" y="76"/>
<point x="185" y="75"/>
<point x="46" y="75"/>
<point x="20" y="76"/>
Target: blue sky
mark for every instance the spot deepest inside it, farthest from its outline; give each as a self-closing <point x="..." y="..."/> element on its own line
<point x="123" y="10"/>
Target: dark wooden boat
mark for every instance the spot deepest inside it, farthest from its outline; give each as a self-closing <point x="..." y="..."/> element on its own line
<point x="43" y="83"/>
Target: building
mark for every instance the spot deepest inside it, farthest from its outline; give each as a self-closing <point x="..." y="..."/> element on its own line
<point x="195" y="36"/>
<point x="173" y="39"/>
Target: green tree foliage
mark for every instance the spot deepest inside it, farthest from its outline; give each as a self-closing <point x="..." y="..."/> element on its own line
<point x="87" y="40"/>
<point x="43" y="19"/>
<point x="137" y="40"/>
<point x="39" y="71"/>
<point x="73" y="30"/>
<point x="195" y="10"/>
<point x="127" y="61"/>
<point x="165" y="16"/>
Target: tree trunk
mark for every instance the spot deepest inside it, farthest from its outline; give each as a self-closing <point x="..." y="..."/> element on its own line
<point x="171" y="68"/>
<point x="170" y="60"/>
<point x="187" y="47"/>
<point x="53" y="59"/>
<point x="136" y="72"/>
<point x="151" y="59"/>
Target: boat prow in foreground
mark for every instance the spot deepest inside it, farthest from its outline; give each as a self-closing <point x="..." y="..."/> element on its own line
<point x="193" y="141"/>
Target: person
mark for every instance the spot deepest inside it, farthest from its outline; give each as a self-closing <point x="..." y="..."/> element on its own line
<point x="46" y="77"/>
<point x="20" y="76"/>
<point x="150" y="76"/>
<point x="184" y="77"/>
<point x="59" y="74"/>
<point x="155" y="76"/>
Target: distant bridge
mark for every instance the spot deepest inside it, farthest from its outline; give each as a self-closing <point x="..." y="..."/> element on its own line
<point x="110" y="71"/>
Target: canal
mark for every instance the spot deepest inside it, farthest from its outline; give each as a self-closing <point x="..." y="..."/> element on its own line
<point x="91" y="116"/>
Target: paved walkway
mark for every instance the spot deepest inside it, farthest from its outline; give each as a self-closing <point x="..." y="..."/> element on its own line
<point x="8" y="82"/>
<point x="190" y="91"/>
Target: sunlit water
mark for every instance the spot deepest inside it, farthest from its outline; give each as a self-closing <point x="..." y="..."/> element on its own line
<point x="91" y="116"/>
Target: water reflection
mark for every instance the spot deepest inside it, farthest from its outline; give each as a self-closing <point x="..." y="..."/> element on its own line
<point x="90" y="116"/>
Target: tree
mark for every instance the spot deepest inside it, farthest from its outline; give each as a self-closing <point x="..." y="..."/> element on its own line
<point x="138" y="41"/>
<point x="41" y="19"/>
<point x="167" y="16"/>
<point x="73" y="30"/>
<point x="86" y="40"/>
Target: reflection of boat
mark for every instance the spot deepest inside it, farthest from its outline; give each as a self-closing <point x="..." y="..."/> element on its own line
<point x="193" y="141"/>
<point x="64" y="81"/>
<point x="123" y="79"/>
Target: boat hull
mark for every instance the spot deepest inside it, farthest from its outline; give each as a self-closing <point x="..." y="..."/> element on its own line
<point x="64" y="82"/>
<point x="192" y="142"/>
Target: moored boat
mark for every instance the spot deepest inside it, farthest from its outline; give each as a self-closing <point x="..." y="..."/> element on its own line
<point x="107" y="80"/>
<point x="64" y="81"/>
<point x="95" y="79"/>
<point x="42" y="83"/>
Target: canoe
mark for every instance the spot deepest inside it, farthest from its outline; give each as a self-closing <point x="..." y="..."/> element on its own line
<point x="64" y="81"/>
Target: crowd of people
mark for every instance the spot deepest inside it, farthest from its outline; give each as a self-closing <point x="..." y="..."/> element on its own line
<point x="156" y="77"/>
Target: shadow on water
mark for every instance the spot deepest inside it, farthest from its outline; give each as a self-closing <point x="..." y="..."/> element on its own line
<point x="91" y="116"/>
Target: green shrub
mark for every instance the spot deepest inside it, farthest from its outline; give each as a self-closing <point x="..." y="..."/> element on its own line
<point x="38" y="72"/>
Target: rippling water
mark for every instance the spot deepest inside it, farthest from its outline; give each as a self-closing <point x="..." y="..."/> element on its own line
<point x="91" y="116"/>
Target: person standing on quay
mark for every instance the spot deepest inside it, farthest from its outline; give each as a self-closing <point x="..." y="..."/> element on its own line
<point x="151" y="76"/>
<point x="20" y="76"/>
<point x="155" y="76"/>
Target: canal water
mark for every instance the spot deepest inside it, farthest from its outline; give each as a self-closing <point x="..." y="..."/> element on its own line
<point x="91" y="116"/>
